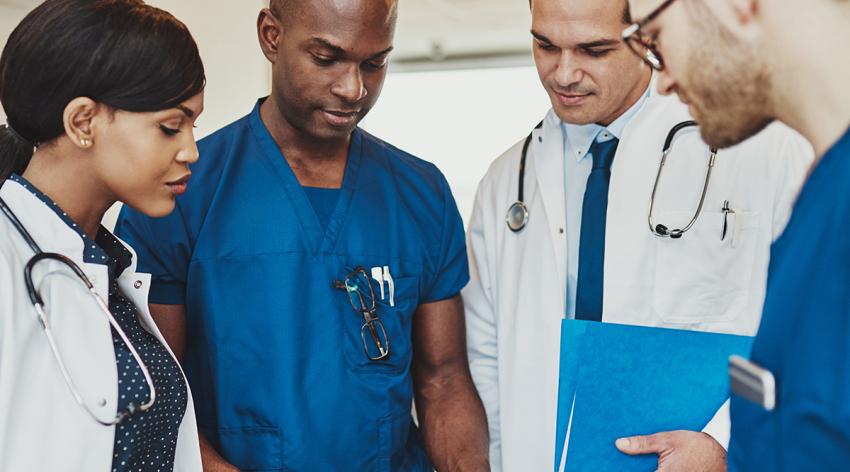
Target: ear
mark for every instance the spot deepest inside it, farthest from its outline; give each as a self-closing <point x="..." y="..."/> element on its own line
<point x="747" y="18"/>
<point x="78" y="120"/>
<point x="745" y="10"/>
<point x="269" y="31"/>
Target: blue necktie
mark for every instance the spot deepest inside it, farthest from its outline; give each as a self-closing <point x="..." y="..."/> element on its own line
<point x="591" y="251"/>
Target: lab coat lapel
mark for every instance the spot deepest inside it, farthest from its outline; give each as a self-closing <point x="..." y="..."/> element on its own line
<point x="547" y="156"/>
<point x="135" y="286"/>
<point x="51" y="233"/>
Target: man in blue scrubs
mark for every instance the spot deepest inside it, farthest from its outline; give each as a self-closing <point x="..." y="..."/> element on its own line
<point x="310" y="278"/>
<point x="741" y="65"/>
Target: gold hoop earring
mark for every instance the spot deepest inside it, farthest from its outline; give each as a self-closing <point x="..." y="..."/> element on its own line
<point x="85" y="142"/>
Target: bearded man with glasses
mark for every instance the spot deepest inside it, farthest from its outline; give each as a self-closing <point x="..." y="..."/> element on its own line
<point x="742" y="65"/>
<point x="586" y="252"/>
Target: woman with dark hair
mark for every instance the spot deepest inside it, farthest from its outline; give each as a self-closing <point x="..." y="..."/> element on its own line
<point x="101" y="98"/>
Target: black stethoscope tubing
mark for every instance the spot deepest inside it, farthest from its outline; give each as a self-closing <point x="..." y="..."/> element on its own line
<point x="39" y="256"/>
<point x="38" y="304"/>
<point x="662" y="230"/>
<point x="517" y="216"/>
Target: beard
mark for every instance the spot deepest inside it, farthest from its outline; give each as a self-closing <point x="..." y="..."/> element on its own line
<point x="726" y="82"/>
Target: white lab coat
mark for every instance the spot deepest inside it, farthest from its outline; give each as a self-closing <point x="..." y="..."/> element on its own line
<point x="41" y="426"/>
<point x="516" y="299"/>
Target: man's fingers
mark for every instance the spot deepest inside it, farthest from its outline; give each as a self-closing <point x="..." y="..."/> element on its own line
<point x="640" y="444"/>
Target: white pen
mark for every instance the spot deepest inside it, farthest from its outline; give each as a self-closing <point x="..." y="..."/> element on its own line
<point x="378" y="275"/>
<point x="389" y="279"/>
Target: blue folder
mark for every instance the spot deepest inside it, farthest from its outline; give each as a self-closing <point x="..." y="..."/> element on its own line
<point x="620" y="380"/>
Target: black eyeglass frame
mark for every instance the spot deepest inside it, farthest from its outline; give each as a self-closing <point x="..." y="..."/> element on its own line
<point x="633" y="34"/>
<point x="373" y="326"/>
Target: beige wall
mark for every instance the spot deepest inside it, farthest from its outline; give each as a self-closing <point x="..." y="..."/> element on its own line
<point x="9" y="17"/>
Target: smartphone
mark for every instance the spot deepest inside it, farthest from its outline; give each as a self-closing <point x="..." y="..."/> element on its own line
<point x="752" y="382"/>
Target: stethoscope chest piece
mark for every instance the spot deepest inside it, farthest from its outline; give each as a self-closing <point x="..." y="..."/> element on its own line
<point x="661" y="230"/>
<point x="517" y="216"/>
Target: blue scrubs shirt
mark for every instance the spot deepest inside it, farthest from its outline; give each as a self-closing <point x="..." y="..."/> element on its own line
<point x="804" y="338"/>
<point x="274" y="353"/>
<point x="323" y="201"/>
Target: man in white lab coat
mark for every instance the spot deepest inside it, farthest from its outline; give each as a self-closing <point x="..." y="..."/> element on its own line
<point x="587" y="250"/>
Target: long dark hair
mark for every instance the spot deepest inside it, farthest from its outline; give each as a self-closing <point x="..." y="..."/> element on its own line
<point x="121" y="53"/>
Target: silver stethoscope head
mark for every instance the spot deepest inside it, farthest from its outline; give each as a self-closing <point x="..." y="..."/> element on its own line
<point x="663" y="231"/>
<point x="517" y="216"/>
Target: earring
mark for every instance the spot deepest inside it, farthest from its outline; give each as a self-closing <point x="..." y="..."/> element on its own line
<point x="85" y="142"/>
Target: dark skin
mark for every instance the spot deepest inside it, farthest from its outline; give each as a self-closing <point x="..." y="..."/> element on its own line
<point x="451" y="415"/>
<point x="328" y="66"/>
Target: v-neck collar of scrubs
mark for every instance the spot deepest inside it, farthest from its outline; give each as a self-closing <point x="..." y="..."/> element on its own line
<point x="321" y="240"/>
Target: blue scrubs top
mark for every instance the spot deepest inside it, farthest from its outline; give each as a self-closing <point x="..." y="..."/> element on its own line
<point x="323" y="201"/>
<point x="804" y="338"/>
<point x="274" y="353"/>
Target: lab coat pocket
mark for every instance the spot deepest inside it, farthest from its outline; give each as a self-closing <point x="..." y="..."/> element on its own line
<point x="705" y="276"/>
<point x="393" y="329"/>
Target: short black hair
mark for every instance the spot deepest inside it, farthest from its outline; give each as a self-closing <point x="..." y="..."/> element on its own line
<point x="283" y="9"/>
<point x="121" y="53"/>
<point x="627" y="12"/>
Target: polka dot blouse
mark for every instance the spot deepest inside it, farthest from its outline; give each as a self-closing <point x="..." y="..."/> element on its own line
<point x="146" y="441"/>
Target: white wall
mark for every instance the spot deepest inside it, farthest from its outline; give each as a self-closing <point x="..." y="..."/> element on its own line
<point x="10" y="16"/>
<point x="460" y="120"/>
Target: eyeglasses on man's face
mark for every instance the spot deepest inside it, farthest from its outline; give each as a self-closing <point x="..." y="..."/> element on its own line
<point x="642" y="44"/>
<point x="361" y="295"/>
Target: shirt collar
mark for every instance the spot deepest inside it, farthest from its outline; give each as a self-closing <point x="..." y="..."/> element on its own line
<point x="578" y="138"/>
<point x="106" y="249"/>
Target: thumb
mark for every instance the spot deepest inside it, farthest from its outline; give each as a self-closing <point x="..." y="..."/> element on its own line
<point x="640" y="444"/>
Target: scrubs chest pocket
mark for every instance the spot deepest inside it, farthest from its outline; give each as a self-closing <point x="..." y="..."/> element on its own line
<point x="701" y="279"/>
<point x="396" y="297"/>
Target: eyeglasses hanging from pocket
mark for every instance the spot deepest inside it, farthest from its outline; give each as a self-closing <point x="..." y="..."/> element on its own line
<point x="361" y="295"/>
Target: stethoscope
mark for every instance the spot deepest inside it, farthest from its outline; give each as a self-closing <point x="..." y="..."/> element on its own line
<point x="518" y="214"/>
<point x="38" y="304"/>
<point x="661" y="230"/>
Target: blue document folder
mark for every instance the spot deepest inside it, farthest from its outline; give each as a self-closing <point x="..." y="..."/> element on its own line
<point x="618" y="380"/>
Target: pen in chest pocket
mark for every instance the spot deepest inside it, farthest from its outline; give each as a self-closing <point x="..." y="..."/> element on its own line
<point x="378" y="275"/>
<point x="726" y="211"/>
<point x="382" y="275"/>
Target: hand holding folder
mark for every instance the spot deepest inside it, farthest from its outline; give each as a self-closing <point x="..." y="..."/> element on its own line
<point x="618" y="380"/>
